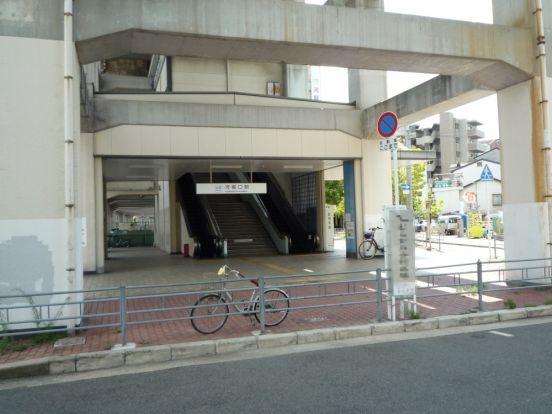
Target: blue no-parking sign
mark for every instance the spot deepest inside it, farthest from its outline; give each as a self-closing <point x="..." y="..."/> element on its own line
<point x="387" y="124"/>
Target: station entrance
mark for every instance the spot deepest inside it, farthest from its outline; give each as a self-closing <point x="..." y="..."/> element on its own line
<point x="154" y="203"/>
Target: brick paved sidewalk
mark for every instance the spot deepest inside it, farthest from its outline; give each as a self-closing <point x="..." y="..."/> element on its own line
<point x="181" y="331"/>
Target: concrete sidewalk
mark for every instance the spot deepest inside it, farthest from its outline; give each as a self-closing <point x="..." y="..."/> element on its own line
<point x="146" y="266"/>
<point x="84" y="362"/>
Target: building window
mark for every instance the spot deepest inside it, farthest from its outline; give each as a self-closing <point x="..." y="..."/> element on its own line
<point x="497" y="200"/>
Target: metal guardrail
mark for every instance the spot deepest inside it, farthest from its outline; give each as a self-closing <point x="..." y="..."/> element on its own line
<point x="319" y="298"/>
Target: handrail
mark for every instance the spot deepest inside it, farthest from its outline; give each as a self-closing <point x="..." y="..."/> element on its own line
<point x="280" y="240"/>
<point x="285" y="98"/>
<point x="301" y="240"/>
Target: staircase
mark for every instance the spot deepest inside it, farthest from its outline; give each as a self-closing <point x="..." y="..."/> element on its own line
<point x="240" y="226"/>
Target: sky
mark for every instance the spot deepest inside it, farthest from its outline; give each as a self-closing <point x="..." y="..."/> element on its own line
<point x="334" y="80"/>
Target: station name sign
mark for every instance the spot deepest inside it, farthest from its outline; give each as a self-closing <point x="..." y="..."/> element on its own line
<point x="399" y="250"/>
<point x="231" y="188"/>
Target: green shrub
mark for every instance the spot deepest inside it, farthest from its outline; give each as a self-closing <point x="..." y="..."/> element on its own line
<point x="510" y="304"/>
<point x="414" y="315"/>
<point x="4" y="344"/>
<point x="47" y="337"/>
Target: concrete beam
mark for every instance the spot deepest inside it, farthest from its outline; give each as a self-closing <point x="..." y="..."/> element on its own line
<point x="41" y="19"/>
<point x="409" y="155"/>
<point x="110" y="113"/>
<point x="437" y="95"/>
<point x="284" y="31"/>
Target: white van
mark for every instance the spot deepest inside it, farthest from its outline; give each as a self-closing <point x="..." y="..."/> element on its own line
<point x="449" y="222"/>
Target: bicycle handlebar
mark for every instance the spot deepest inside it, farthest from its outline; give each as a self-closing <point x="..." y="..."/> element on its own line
<point x="225" y="271"/>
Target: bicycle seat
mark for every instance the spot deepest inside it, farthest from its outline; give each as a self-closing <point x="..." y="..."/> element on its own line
<point x="368" y="235"/>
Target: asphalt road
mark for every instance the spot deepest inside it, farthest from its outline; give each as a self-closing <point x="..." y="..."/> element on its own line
<point x="476" y="372"/>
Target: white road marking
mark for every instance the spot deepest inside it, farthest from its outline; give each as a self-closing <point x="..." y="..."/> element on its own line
<point x="485" y="298"/>
<point x="507" y="335"/>
<point x="308" y="270"/>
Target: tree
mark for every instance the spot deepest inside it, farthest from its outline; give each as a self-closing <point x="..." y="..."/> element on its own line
<point x="417" y="185"/>
<point x="436" y="207"/>
<point x="334" y="191"/>
<point x="335" y="194"/>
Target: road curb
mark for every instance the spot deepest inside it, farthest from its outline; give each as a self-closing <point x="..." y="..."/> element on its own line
<point x="92" y="361"/>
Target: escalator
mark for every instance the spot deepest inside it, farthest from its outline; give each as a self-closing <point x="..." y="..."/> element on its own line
<point x="240" y="226"/>
<point x="284" y="218"/>
<point x="199" y="220"/>
<point x="263" y="224"/>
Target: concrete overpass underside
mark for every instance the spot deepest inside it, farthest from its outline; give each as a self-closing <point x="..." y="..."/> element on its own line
<point x="276" y="31"/>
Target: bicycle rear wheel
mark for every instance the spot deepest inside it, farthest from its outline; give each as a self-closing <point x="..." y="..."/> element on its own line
<point x="367" y="249"/>
<point x="276" y="307"/>
<point x="209" y="314"/>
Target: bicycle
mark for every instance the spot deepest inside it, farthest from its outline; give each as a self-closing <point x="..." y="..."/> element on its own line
<point x="211" y="311"/>
<point x="369" y="246"/>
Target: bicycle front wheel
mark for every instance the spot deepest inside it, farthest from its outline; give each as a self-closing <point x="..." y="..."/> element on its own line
<point x="209" y="314"/>
<point x="367" y="249"/>
<point x="276" y="307"/>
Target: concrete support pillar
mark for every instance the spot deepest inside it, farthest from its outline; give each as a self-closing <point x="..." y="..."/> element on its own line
<point x="86" y="200"/>
<point x="525" y="213"/>
<point x="376" y="180"/>
<point x="174" y="217"/>
<point x="463" y="140"/>
<point x="349" y="185"/>
<point x="367" y="87"/>
<point x="156" y="220"/>
<point x="99" y="201"/>
<point x="526" y="229"/>
<point x="447" y="141"/>
<point x="320" y="209"/>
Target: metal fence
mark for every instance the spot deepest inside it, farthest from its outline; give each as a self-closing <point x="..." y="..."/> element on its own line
<point x="136" y="313"/>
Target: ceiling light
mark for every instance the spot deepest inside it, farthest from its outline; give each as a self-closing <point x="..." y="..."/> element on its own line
<point x="297" y="167"/>
<point x="228" y="167"/>
<point x="136" y="166"/>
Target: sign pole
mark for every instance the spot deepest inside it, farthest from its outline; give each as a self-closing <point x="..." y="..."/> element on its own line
<point x="396" y="176"/>
<point x="387" y="126"/>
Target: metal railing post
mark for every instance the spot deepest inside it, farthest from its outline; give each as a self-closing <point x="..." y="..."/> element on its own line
<point x="262" y="304"/>
<point x="379" y="295"/>
<point x="480" y="284"/>
<point x="123" y="315"/>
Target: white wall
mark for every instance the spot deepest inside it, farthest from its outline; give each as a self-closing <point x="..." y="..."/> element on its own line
<point x="251" y="77"/>
<point x="450" y="197"/>
<point x="485" y="191"/>
<point x="198" y="75"/>
<point x="86" y="199"/>
<point x="165" y="141"/>
<point x="162" y="234"/>
<point x="31" y="121"/>
<point x="472" y="172"/>
<point x="33" y="244"/>
<point x="218" y="75"/>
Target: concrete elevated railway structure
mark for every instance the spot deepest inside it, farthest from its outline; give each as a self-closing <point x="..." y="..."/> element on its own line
<point x="104" y="99"/>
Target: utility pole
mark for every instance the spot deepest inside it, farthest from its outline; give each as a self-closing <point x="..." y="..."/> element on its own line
<point x="408" y="143"/>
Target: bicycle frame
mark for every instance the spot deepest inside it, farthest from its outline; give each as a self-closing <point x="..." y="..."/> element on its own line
<point x="223" y="299"/>
<point x="372" y="237"/>
<point x="225" y="272"/>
